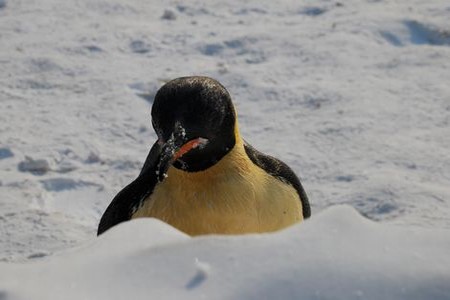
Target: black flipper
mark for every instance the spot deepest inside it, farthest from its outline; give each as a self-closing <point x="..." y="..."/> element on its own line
<point x="131" y="197"/>
<point x="281" y="171"/>
<point x="152" y="158"/>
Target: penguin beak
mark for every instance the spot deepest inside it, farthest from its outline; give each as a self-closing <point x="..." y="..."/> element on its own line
<point x="174" y="149"/>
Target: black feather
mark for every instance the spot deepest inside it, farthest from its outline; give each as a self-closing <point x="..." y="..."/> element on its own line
<point x="132" y="196"/>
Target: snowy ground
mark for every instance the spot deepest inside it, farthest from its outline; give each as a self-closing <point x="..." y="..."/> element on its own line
<point x="354" y="95"/>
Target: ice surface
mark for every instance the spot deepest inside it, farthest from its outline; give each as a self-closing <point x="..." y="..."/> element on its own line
<point x="353" y="95"/>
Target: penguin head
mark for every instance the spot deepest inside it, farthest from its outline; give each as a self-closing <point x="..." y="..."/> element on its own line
<point x="195" y="121"/>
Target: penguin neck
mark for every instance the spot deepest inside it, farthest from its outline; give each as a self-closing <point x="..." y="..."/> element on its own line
<point x="234" y="162"/>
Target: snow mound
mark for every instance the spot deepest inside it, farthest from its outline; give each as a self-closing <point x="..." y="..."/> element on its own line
<point x="135" y="235"/>
<point x="35" y="166"/>
<point x="337" y="255"/>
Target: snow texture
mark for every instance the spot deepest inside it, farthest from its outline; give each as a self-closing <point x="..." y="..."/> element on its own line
<point x="353" y="95"/>
<point x="337" y="255"/>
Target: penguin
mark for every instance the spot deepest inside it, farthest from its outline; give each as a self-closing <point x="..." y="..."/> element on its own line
<point x="201" y="176"/>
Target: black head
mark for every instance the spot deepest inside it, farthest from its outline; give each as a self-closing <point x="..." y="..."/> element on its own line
<point x="194" y="119"/>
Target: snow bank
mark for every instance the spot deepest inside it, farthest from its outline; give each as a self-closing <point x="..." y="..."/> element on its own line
<point x="336" y="255"/>
<point x="353" y="95"/>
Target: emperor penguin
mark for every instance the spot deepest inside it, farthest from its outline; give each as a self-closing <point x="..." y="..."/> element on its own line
<point x="200" y="176"/>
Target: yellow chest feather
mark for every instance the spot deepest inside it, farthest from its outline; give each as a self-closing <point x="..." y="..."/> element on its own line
<point x="232" y="197"/>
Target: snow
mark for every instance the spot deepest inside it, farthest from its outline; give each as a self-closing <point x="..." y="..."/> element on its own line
<point x="353" y="95"/>
<point x="336" y="255"/>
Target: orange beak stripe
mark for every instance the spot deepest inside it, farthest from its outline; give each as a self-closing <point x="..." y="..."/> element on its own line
<point x="192" y="144"/>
